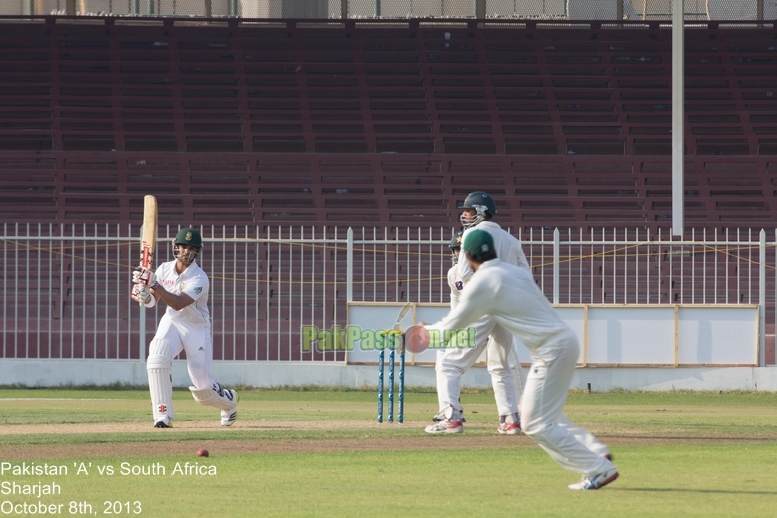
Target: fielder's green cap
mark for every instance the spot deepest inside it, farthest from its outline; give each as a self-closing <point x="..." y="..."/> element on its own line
<point x="478" y="242"/>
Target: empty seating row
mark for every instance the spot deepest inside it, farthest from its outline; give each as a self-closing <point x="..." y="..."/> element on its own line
<point x="393" y="191"/>
<point x="234" y="87"/>
<point x="273" y="123"/>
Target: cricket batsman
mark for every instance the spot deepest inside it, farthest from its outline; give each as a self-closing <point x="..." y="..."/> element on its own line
<point x="183" y="287"/>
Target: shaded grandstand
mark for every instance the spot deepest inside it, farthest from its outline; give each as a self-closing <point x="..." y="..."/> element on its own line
<point x="387" y="124"/>
<point x="382" y="123"/>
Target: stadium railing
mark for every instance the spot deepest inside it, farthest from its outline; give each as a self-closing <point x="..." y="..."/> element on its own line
<point x="66" y="289"/>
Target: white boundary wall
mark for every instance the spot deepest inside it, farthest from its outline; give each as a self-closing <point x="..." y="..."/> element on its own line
<point x="43" y="373"/>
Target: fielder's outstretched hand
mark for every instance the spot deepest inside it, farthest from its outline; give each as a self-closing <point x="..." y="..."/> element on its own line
<point x="144" y="276"/>
<point x="140" y="293"/>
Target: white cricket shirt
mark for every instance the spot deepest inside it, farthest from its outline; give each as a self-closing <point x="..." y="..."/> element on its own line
<point x="192" y="282"/>
<point x="509" y="295"/>
<point x="507" y="248"/>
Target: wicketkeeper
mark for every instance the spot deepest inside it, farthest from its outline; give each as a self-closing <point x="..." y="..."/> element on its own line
<point x="503" y="366"/>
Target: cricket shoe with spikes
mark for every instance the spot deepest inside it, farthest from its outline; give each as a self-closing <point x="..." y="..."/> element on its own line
<point x="595" y="481"/>
<point x="228" y="417"/>
<point x="446" y="426"/>
<point x="441" y="417"/>
<point x="509" y="428"/>
<point x="163" y="422"/>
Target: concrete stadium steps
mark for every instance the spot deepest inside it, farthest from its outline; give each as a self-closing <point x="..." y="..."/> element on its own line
<point x="287" y="122"/>
<point x="592" y="193"/>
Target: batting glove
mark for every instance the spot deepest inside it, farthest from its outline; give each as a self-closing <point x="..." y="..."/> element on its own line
<point x="144" y="276"/>
<point x="140" y="293"/>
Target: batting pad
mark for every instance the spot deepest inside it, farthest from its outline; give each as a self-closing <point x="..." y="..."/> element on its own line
<point x="209" y="397"/>
<point x="160" y="383"/>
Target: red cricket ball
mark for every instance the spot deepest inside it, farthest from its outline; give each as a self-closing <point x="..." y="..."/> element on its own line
<point x="417" y="339"/>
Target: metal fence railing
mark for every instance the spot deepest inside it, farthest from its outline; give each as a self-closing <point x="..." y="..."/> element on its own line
<point x="66" y="289"/>
<point x="329" y="9"/>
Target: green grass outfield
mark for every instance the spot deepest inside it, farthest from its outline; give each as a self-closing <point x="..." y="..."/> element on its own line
<point x="321" y="453"/>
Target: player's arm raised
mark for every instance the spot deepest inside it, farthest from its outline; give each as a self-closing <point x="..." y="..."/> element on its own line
<point x="175" y="301"/>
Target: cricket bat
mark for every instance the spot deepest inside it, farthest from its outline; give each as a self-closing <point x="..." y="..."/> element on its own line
<point x="148" y="233"/>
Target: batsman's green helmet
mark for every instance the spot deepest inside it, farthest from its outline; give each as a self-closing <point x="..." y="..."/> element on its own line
<point x="188" y="236"/>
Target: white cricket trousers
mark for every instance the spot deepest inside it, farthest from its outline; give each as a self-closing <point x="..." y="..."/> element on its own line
<point x="197" y="344"/>
<point x="542" y="409"/>
<point x="452" y="363"/>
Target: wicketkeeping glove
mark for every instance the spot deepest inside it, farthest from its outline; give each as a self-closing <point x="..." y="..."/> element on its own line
<point x="140" y="293"/>
<point x="143" y="276"/>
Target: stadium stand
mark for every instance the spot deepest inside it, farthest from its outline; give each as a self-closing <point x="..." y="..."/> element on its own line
<point x="295" y="122"/>
<point x="386" y="124"/>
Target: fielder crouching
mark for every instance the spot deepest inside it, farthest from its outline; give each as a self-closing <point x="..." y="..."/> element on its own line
<point x="183" y="287"/>
<point x="509" y="295"/>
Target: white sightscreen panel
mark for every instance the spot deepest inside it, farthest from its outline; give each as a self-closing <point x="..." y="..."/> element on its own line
<point x="631" y="336"/>
<point x="369" y="318"/>
<point x="727" y="336"/>
<point x="575" y="319"/>
<point x="616" y="335"/>
<point x="375" y="316"/>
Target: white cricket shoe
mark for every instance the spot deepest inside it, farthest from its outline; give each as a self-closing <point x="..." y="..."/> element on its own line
<point x="446" y="426"/>
<point x="596" y="481"/>
<point x="509" y="428"/>
<point x="164" y="422"/>
<point x="228" y="417"/>
<point x="441" y="417"/>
